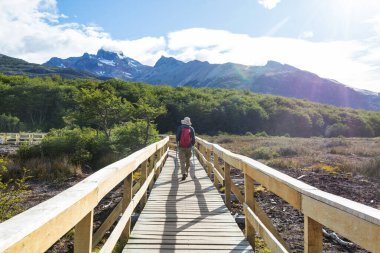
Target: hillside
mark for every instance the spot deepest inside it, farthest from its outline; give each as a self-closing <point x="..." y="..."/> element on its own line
<point x="14" y="66"/>
<point x="42" y="104"/>
<point x="273" y="78"/>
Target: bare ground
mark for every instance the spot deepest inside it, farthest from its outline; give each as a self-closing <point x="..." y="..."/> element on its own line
<point x="317" y="166"/>
<point x="332" y="165"/>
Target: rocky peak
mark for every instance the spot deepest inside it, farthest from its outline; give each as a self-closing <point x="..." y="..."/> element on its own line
<point x="167" y="61"/>
<point x="108" y="55"/>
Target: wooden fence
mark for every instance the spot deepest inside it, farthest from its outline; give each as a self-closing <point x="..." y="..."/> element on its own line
<point x="359" y="223"/>
<point x="21" y="138"/>
<point x="38" y="228"/>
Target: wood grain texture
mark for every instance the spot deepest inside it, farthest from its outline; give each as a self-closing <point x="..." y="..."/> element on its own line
<point x="313" y="236"/>
<point x="273" y="244"/>
<point x="185" y="215"/>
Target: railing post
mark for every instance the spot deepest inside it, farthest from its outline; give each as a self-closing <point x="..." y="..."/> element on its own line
<point x="202" y="151"/>
<point x="83" y="234"/>
<point x="227" y="187"/>
<point x="144" y="175"/>
<point x="127" y="198"/>
<point x="216" y="165"/>
<point x="249" y="201"/>
<point x="313" y="236"/>
<point x="158" y="171"/>
<point x="208" y="158"/>
<point x="17" y="139"/>
<point x="152" y="163"/>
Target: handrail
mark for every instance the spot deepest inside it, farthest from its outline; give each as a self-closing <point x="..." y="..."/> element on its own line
<point x="36" y="229"/>
<point x="21" y="138"/>
<point x="357" y="222"/>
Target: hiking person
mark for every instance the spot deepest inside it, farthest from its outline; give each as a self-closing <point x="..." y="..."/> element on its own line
<point x="185" y="138"/>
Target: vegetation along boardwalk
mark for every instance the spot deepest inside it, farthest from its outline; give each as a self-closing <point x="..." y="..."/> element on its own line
<point x="185" y="215"/>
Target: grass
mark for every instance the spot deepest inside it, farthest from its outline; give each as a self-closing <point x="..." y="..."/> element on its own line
<point x="330" y="155"/>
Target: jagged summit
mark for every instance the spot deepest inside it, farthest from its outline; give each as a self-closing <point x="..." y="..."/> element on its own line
<point x="105" y="64"/>
<point x="167" y="61"/>
<point x="273" y="78"/>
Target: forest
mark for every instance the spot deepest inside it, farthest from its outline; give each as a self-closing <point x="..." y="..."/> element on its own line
<point x="44" y="103"/>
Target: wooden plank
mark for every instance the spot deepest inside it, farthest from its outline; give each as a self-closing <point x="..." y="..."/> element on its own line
<point x="118" y="230"/>
<point x="217" y="175"/>
<point x="237" y="193"/>
<point x="144" y="174"/>
<point x="313" y="236"/>
<point x="55" y="217"/>
<point x="83" y="234"/>
<point x="175" y="247"/>
<point x="249" y="201"/>
<point x="268" y="224"/>
<point x="106" y="225"/>
<point x="273" y="244"/>
<point x="227" y="188"/>
<point x="360" y="231"/>
<point x="361" y="211"/>
<point x="49" y="220"/>
<point x="185" y="215"/>
<point x="126" y="202"/>
<point x="208" y="162"/>
<point x="282" y="190"/>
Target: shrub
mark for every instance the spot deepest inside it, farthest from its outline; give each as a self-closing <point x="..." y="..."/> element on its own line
<point x="261" y="134"/>
<point x="130" y="137"/>
<point x="80" y="145"/>
<point x="12" y="193"/>
<point x="287" y="151"/>
<point x="9" y="123"/>
<point x="372" y="168"/>
<point x="283" y="163"/>
<point x="75" y="146"/>
<point x="225" y="140"/>
<point x="263" y="153"/>
<point x="336" y="143"/>
<point x="337" y="129"/>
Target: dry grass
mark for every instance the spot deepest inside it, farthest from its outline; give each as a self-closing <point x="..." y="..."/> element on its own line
<point x="331" y="155"/>
<point x="45" y="169"/>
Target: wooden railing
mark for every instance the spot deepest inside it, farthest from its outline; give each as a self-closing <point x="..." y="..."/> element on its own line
<point x="358" y="223"/>
<point x="21" y="138"/>
<point x="38" y="228"/>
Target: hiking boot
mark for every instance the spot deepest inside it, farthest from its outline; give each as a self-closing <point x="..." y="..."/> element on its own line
<point x="183" y="177"/>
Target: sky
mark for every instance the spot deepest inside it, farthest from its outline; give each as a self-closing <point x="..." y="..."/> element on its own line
<point x="336" y="39"/>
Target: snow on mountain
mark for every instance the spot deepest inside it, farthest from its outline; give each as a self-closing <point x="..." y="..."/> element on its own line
<point x="105" y="64"/>
<point x="273" y="78"/>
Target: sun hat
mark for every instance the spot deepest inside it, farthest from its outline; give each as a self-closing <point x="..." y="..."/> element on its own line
<point x="186" y="121"/>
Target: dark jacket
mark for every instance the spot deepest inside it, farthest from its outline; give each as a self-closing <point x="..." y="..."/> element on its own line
<point x="192" y="133"/>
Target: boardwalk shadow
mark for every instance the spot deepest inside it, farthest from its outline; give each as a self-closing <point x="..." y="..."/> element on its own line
<point x="173" y="238"/>
<point x="168" y="227"/>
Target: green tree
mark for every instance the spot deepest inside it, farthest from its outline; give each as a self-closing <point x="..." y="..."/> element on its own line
<point x="148" y="108"/>
<point x="9" y="123"/>
<point x="130" y="137"/>
<point x="101" y="109"/>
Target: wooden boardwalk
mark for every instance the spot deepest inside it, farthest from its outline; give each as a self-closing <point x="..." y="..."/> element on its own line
<point x="182" y="216"/>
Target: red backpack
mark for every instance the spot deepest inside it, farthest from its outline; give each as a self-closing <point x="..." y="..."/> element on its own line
<point x="185" y="140"/>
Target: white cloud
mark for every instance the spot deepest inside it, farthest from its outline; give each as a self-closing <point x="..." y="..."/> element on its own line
<point x="41" y="35"/>
<point x="269" y="4"/>
<point x="306" y="35"/>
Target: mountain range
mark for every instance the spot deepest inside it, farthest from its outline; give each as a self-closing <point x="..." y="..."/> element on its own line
<point x="14" y="66"/>
<point x="273" y="78"/>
